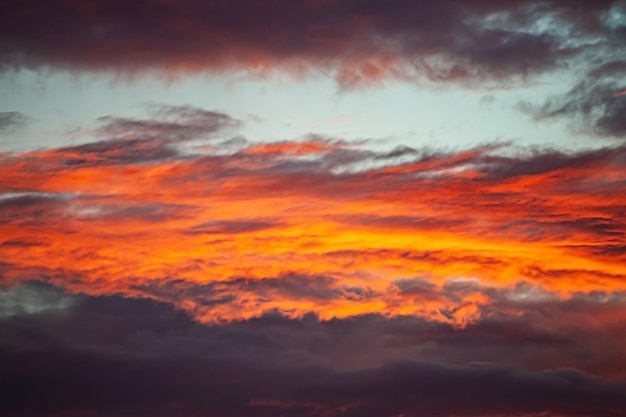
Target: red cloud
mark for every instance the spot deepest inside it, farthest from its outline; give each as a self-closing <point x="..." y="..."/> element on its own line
<point x="115" y="217"/>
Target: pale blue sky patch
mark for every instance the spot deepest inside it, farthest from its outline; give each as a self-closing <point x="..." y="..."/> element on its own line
<point x="64" y="109"/>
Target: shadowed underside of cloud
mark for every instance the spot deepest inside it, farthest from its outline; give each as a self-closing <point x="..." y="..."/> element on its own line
<point x="164" y="208"/>
<point x="363" y="39"/>
<point x="130" y="357"/>
<point x="356" y="41"/>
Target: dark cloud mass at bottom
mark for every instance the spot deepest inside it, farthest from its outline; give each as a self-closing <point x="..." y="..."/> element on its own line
<point x="109" y="355"/>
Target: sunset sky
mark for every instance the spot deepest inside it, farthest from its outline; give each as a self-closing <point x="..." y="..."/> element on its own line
<point x="312" y="208"/>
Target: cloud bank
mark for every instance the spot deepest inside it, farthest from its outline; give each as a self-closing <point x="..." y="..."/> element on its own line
<point x="112" y="355"/>
<point x="357" y="42"/>
<point x="166" y="208"/>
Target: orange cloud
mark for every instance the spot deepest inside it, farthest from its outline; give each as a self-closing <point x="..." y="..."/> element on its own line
<point x="116" y="221"/>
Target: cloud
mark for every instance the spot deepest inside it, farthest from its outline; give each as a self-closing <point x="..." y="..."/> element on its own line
<point x="24" y="209"/>
<point x="483" y="44"/>
<point x="12" y="120"/>
<point x="164" y="209"/>
<point x="589" y="325"/>
<point x="226" y="227"/>
<point x="115" y="352"/>
<point x="32" y="299"/>
<point x="176" y="123"/>
<point x="160" y="137"/>
<point x="597" y="105"/>
<point x="360" y="41"/>
<point x="132" y="387"/>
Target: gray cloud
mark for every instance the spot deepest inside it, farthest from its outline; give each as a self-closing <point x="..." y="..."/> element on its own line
<point x="596" y="106"/>
<point x="158" y="138"/>
<point x="358" y="42"/>
<point x="32" y="299"/>
<point x="12" y="120"/>
<point x="131" y="357"/>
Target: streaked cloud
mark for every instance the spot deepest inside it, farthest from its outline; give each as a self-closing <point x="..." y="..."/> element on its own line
<point x="12" y="120"/>
<point x="135" y="215"/>
<point x="202" y="260"/>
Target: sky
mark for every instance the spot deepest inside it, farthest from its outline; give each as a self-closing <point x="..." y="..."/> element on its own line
<point x="313" y="208"/>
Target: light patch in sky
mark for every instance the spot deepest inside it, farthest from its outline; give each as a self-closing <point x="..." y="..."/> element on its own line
<point x="32" y="299"/>
<point x="64" y="109"/>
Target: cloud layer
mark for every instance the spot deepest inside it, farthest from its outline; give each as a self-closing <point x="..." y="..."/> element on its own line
<point x="128" y="357"/>
<point x="230" y="230"/>
<point x="362" y="39"/>
<point x="167" y="265"/>
<point x="357" y="42"/>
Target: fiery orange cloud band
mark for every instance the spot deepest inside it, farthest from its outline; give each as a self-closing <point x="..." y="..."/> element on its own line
<point x="317" y="226"/>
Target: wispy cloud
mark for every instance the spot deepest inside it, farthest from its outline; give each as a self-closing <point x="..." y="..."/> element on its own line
<point x="12" y="120"/>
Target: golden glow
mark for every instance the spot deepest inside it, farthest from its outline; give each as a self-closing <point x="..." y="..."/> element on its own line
<point x="230" y="220"/>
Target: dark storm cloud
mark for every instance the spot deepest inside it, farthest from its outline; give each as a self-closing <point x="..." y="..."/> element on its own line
<point x="130" y="357"/>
